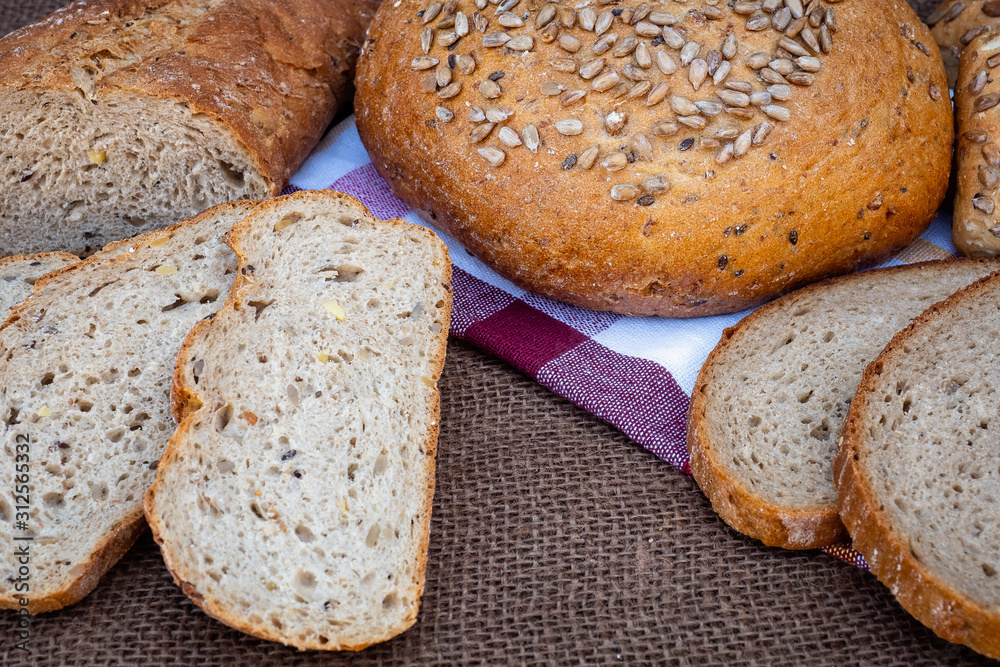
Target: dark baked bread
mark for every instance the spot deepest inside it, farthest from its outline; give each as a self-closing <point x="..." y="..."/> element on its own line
<point x="294" y="500"/>
<point x="976" y="221"/>
<point x="119" y="116"/>
<point x="552" y="141"/>
<point x="770" y="400"/>
<point x="918" y="468"/>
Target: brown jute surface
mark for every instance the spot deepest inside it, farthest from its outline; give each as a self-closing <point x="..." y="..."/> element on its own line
<point x="555" y="540"/>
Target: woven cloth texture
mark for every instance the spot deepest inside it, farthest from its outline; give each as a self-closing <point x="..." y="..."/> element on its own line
<point x="555" y="540"/>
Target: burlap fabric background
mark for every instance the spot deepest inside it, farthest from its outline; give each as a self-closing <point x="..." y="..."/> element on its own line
<point x="555" y="540"/>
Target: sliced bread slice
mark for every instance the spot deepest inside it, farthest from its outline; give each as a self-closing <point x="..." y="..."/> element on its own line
<point x="294" y="500"/>
<point x="87" y="362"/>
<point x="770" y="400"/>
<point x="918" y="468"/>
<point x="19" y="273"/>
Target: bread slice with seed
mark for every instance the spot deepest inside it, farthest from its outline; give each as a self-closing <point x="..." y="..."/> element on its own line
<point x="87" y="362"/>
<point x="19" y="273"/>
<point x="294" y="500"/>
<point x="918" y="468"/>
<point x="770" y="400"/>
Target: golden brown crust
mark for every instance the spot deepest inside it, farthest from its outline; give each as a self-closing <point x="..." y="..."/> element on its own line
<point x="186" y="400"/>
<point x="976" y="227"/>
<point x="951" y="614"/>
<point x="854" y="175"/>
<point x="273" y="71"/>
<point x="955" y="23"/>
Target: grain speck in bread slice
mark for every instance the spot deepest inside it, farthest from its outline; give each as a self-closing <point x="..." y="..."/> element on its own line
<point x="918" y="468"/>
<point x="19" y="273"/>
<point x="294" y="500"/>
<point x="87" y="360"/>
<point x="770" y="400"/>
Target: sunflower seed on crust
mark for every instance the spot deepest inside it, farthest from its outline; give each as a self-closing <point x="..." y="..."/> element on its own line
<point x="734" y="98"/>
<point x="571" y="96"/>
<point x="451" y="90"/>
<point x="641" y="12"/>
<point x="665" y="63"/>
<point x="761" y="132"/>
<point x="954" y="11"/>
<point x="780" y="91"/>
<point x="672" y="38"/>
<point x="801" y="78"/>
<point x="615" y="162"/>
<point x="477" y="115"/>
<point x="634" y="73"/>
<point x="809" y="37"/>
<point x="510" y="20"/>
<point x="638" y="90"/>
<point x="444" y="115"/>
<point x="508" y="137"/>
<point x="781" y="18"/>
<point x="665" y="128"/>
<point x="497" y="115"/>
<point x="604" y="43"/>
<point x="983" y="203"/>
<point x="591" y="68"/>
<point x="770" y="76"/>
<point x="795" y="27"/>
<point x="742" y="144"/>
<point x="746" y="8"/>
<point x="978" y="83"/>
<point x="530" y="136"/>
<point x="721" y="73"/>
<point x="985" y="102"/>
<point x="603" y="22"/>
<point x="825" y="39"/>
<point x="614" y="122"/>
<point x="729" y="46"/>
<point x="708" y="107"/>
<point x="564" y="65"/>
<point x="657" y="93"/>
<point x="809" y="63"/>
<point x="426" y="39"/>
<point x="771" y="6"/>
<point x="689" y="52"/>
<point x="492" y="40"/>
<point x="588" y="18"/>
<point x="568" y="42"/>
<point x="697" y="122"/>
<point x="480" y="132"/>
<point x="551" y="88"/>
<point x="480" y="21"/>
<point x="740" y="86"/>
<point x="777" y="112"/>
<point x="569" y="127"/>
<point x="625" y="47"/>
<point x="758" y="60"/>
<point x="782" y="66"/>
<point x="431" y="12"/>
<point x="461" y="24"/>
<point x="447" y="39"/>
<point x="465" y="64"/>
<point x="490" y="89"/>
<point x="588" y="157"/>
<point x="991" y="154"/>
<point x="606" y="81"/>
<point x="424" y="62"/>
<point x="727" y="132"/>
<point x="934" y="91"/>
<point x="545" y="15"/>
<point x="494" y="156"/>
<point x="642" y="57"/>
<point x="662" y="18"/>
<point x="521" y="43"/>
<point x="655" y="185"/>
<point x="646" y="29"/>
<point x="988" y="176"/>
<point x="697" y="72"/>
<point x="624" y="192"/>
<point x="760" y="98"/>
<point x="443" y="75"/>
<point x="758" y="22"/>
<point x="725" y="153"/>
<point x="641" y="147"/>
<point x="683" y="106"/>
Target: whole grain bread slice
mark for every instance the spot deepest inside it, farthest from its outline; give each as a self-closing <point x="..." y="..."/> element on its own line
<point x="770" y="400"/>
<point x="294" y="500"/>
<point x="19" y="273"/>
<point x="87" y="362"/>
<point x="918" y="468"/>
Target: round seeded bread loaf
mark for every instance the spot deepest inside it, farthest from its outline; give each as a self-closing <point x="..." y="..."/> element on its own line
<point x="660" y="158"/>
<point x="955" y="23"/>
<point x="976" y="228"/>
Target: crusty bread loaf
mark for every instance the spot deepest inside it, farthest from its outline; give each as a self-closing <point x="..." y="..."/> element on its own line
<point x="118" y="117"/>
<point x="19" y="273"/>
<point x="976" y="222"/>
<point x="669" y="159"/>
<point x="294" y="500"/>
<point x="955" y="23"/>
<point x="769" y="402"/>
<point x="918" y="468"/>
<point x="87" y="361"/>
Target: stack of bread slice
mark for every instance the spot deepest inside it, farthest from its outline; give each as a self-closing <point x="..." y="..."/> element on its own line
<point x="917" y="479"/>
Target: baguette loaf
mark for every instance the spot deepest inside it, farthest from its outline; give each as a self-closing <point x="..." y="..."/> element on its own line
<point x="19" y="273"/>
<point x="976" y="223"/>
<point x="918" y="468"/>
<point x="119" y="117"/>
<point x="87" y="360"/>
<point x="294" y="500"/>
<point x="770" y="400"/>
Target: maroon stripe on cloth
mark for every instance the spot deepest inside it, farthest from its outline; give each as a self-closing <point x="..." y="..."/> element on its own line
<point x="289" y="189"/>
<point x="637" y="396"/>
<point x="524" y="336"/>
<point x="365" y="184"/>
<point x="474" y="301"/>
